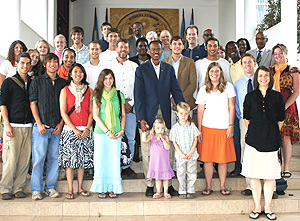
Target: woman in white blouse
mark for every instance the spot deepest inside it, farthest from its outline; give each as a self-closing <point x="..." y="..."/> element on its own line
<point x="216" y="111"/>
<point x="8" y="67"/>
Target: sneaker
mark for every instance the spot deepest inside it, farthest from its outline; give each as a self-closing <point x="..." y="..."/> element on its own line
<point x="62" y="174"/>
<point x="52" y="193"/>
<point x="37" y="195"/>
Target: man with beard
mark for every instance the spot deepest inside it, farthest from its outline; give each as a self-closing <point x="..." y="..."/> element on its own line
<point x="142" y="48"/>
<point x="137" y="30"/>
<point x="155" y="81"/>
<point x="124" y="71"/>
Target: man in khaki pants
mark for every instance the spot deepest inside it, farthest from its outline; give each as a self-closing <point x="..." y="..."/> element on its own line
<point x="17" y="130"/>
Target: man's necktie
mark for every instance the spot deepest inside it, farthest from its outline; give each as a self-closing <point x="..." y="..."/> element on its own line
<point x="249" y="86"/>
<point x="258" y="58"/>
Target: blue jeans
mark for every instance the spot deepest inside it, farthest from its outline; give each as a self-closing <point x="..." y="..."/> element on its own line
<point x="130" y="130"/>
<point x="237" y="145"/>
<point x="44" y="147"/>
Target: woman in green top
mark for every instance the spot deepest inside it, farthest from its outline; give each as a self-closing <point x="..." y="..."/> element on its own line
<point x="107" y="136"/>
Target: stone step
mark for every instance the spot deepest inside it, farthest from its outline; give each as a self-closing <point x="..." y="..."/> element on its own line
<point x="129" y="204"/>
<point x="296" y="149"/>
<point x="138" y="185"/>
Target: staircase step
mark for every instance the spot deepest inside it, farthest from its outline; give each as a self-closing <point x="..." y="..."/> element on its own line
<point x="138" y="185"/>
<point x="129" y="204"/>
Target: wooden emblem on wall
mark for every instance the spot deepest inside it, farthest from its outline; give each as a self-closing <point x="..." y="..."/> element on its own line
<point x="152" y="20"/>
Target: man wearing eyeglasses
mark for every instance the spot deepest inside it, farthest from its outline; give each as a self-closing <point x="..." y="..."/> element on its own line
<point x="196" y="51"/>
<point x="154" y="82"/>
<point x="263" y="56"/>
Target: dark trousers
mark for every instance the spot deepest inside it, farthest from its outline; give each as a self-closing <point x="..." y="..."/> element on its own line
<point x="237" y="145"/>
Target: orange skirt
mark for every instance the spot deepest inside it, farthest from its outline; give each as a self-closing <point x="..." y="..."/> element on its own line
<point x="215" y="147"/>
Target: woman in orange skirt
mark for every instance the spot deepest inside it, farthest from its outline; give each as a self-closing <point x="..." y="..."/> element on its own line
<point x="216" y="100"/>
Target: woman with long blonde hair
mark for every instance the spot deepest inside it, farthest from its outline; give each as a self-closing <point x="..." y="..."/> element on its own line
<point x="216" y="111"/>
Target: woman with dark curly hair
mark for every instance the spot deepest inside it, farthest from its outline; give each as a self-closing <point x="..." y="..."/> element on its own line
<point x="8" y="67"/>
<point x="107" y="136"/>
<point x="287" y="81"/>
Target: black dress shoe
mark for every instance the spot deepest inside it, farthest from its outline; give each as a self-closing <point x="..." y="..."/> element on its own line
<point x="149" y="192"/>
<point x="131" y="173"/>
<point x="234" y="173"/>
<point x="172" y="191"/>
<point x="246" y="192"/>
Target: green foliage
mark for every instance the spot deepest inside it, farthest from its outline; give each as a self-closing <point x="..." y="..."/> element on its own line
<point x="272" y="16"/>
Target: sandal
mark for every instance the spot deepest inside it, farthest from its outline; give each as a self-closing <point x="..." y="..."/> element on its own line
<point x="225" y="192"/>
<point x="255" y="215"/>
<point x="84" y="193"/>
<point x="102" y="195"/>
<point x="157" y="196"/>
<point x="286" y="174"/>
<point x="112" y="195"/>
<point x="207" y="192"/>
<point x="182" y="196"/>
<point x="70" y="196"/>
<point x="269" y="216"/>
<point x="167" y="196"/>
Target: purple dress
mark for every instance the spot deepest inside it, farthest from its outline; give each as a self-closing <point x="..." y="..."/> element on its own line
<point x="159" y="163"/>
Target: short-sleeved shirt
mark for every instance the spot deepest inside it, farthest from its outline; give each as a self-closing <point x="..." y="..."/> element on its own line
<point x="184" y="137"/>
<point x="46" y="92"/>
<point x="82" y="56"/>
<point x="216" y="113"/>
<point x="102" y="115"/>
<point x="92" y="73"/>
<point x="6" y="68"/>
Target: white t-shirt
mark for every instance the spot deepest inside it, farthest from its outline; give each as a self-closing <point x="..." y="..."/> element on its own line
<point x="201" y="68"/>
<point x="216" y="113"/>
<point x="7" y="69"/>
<point x="92" y="73"/>
<point x="107" y="56"/>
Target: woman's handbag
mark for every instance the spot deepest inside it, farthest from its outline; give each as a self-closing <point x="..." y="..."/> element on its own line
<point x="126" y="157"/>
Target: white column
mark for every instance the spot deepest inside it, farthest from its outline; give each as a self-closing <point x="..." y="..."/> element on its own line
<point x="289" y="27"/>
<point x="250" y="19"/>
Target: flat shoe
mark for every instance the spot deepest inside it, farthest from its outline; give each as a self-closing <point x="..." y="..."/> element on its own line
<point x="207" y="192"/>
<point x="157" y="196"/>
<point x="286" y="174"/>
<point x="225" y="192"/>
<point x="84" y="193"/>
<point x="20" y="194"/>
<point x="102" y="195"/>
<point x="6" y="196"/>
<point x="269" y="216"/>
<point x="70" y="196"/>
<point x="182" y="196"/>
<point x="112" y="195"/>
<point x="255" y="215"/>
<point x="167" y="196"/>
<point x="190" y="196"/>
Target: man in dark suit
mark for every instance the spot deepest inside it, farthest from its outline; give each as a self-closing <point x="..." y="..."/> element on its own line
<point x="137" y="30"/>
<point x="154" y="82"/>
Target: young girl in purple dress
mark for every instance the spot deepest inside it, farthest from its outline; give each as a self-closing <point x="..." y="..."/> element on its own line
<point x="159" y="163"/>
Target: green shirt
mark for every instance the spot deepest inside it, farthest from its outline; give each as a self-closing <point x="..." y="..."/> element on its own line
<point x="102" y="115"/>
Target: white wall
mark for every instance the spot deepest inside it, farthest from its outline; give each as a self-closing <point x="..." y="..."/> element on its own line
<point x="227" y="21"/>
<point x="14" y="29"/>
<point x="206" y="14"/>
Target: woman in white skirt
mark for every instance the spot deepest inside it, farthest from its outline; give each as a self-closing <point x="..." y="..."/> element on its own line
<point x="264" y="112"/>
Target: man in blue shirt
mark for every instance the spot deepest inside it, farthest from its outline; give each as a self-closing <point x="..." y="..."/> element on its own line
<point x="103" y="41"/>
<point x="243" y="86"/>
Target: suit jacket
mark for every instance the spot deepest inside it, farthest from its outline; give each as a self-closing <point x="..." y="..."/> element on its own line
<point x="150" y="92"/>
<point x="187" y="78"/>
<point x="132" y="46"/>
<point x="266" y="59"/>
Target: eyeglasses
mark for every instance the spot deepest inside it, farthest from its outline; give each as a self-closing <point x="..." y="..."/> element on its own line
<point x="209" y="35"/>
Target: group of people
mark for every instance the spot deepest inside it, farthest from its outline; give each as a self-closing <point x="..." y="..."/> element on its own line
<point x="207" y="103"/>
